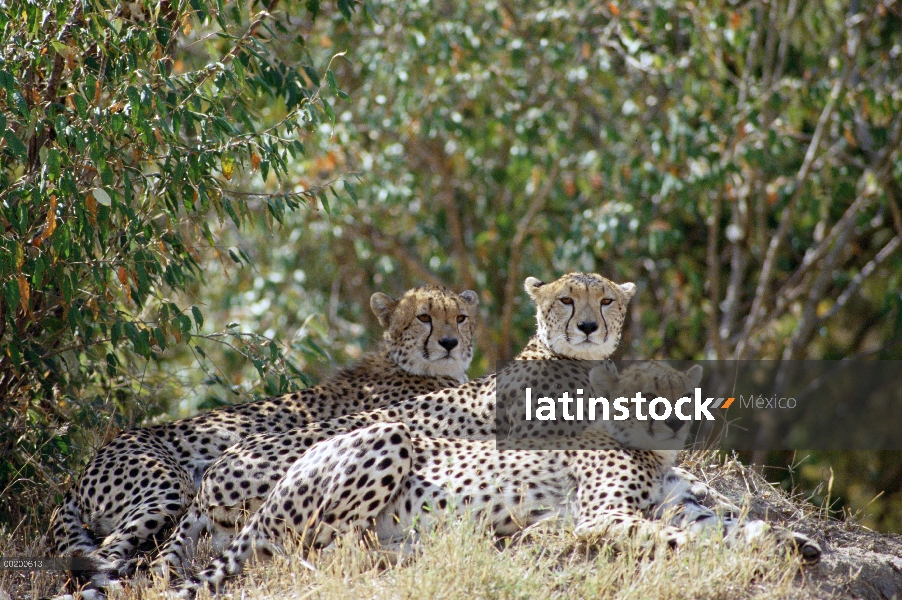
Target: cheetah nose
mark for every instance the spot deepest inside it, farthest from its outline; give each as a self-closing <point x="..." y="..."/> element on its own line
<point x="448" y="344"/>
<point x="674" y="423"/>
<point x="587" y="327"/>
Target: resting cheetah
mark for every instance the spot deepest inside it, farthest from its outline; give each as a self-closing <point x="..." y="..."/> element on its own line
<point x="145" y="478"/>
<point x="579" y="315"/>
<point x="384" y="480"/>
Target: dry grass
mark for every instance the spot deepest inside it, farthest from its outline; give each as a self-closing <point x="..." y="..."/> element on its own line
<point x="460" y="560"/>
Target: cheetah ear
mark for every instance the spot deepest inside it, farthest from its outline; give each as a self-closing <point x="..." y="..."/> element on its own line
<point x="470" y="297"/>
<point x="531" y="285"/>
<point x="694" y="373"/>
<point x="628" y="289"/>
<point x="603" y="378"/>
<point x="383" y="306"/>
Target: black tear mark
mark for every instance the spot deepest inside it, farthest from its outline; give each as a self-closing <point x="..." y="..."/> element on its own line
<point x="570" y="318"/>
<point x="605" y="321"/>
<point x="426" y="342"/>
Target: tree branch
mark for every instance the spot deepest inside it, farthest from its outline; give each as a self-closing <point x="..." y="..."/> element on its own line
<point x="393" y="247"/>
<point x="865" y="272"/>
<point x="713" y="260"/>
<point x="763" y="288"/>
<point x="516" y="255"/>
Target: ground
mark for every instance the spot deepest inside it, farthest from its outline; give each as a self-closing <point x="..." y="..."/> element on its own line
<point x="460" y="560"/>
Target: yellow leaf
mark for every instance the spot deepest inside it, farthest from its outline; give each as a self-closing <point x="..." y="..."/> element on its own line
<point x="24" y="293"/>
<point x="123" y="275"/>
<point x="228" y="165"/>
<point x="20" y="255"/>
<point x="847" y="133"/>
<point x="51" y="219"/>
<point x="91" y="205"/>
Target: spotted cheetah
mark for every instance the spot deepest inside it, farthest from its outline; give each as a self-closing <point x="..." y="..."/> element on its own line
<point x="579" y="316"/>
<point x="145" y="478"/>
<point x="384" y="480"/>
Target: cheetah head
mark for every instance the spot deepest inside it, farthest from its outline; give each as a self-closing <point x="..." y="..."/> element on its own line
<point x="429" y="330"/>
<point x="581" y="314"/>
<point x="655" y="380"/>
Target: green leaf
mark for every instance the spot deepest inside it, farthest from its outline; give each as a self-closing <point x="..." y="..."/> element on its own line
<point x="351" y="191"/>
<point x="329" y="111"/>
<point x="15" y="145"/>
<point x="52" y="162"/>
<point x="330" y="77"/>
<point x="101" y="196"/>
<point x="346" y="6"/>
<point x="111" y="364"/>
<point x="11" y="292"/>
<point x="313" y="7"/>
<point x="198" y="317"/>
<point x="133" y="335"/>
<point x="184" y="323"/>
<point x="81" y="105"/>
<point x="116" y="333"/>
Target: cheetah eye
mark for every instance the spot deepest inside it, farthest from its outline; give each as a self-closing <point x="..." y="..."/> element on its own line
<point x="461" y="318"/>
<point x="567" y="300"/>
<point x="424" y="318"/>
<point x="606" y="301"/>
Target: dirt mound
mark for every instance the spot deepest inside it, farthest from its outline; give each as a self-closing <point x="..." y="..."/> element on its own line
<point x="856" y="562"/>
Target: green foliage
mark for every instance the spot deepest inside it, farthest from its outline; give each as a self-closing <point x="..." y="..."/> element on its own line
<point x="125" y="129"/>
<point x="731" y="160"/>
<point x="740" y="163"/>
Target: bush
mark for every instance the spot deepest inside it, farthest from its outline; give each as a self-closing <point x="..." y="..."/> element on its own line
<point x="125" y="129"/>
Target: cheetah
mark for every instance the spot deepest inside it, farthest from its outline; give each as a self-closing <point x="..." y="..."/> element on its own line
<point x="383" y="480"/>
<point x="579" y="319"/>
<point x="143" y="480"/>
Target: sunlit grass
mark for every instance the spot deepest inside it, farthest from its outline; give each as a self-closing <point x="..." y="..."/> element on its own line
<point x="459" y="559"/>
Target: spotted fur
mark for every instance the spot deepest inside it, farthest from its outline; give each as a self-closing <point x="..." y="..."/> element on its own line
<point x="145" y="478"/>
<point x="397" y="483"/>
<point x="245" y="474"/>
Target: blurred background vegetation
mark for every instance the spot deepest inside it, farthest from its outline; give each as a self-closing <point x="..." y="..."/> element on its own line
<point x="264" y="167"/>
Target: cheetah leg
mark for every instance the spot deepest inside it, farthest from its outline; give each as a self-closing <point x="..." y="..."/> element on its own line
<point x="69" y="535"/>
<point x="116" y="556"/>
<point x="123" y="501"/>
<point x="226" y="521"/>
<point x="704" y="493"/>
<point x="681" y="508"/>
<point x="616" y="523"/>
<point x="756" y="529"/>
<point x="178" y="551"/>
<point x="339" y="486"/>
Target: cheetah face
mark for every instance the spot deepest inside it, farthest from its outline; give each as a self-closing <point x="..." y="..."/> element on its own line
<point x="581" y="314"/>
<point x="429" y="330"/>
<point x="654" y="380"/>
